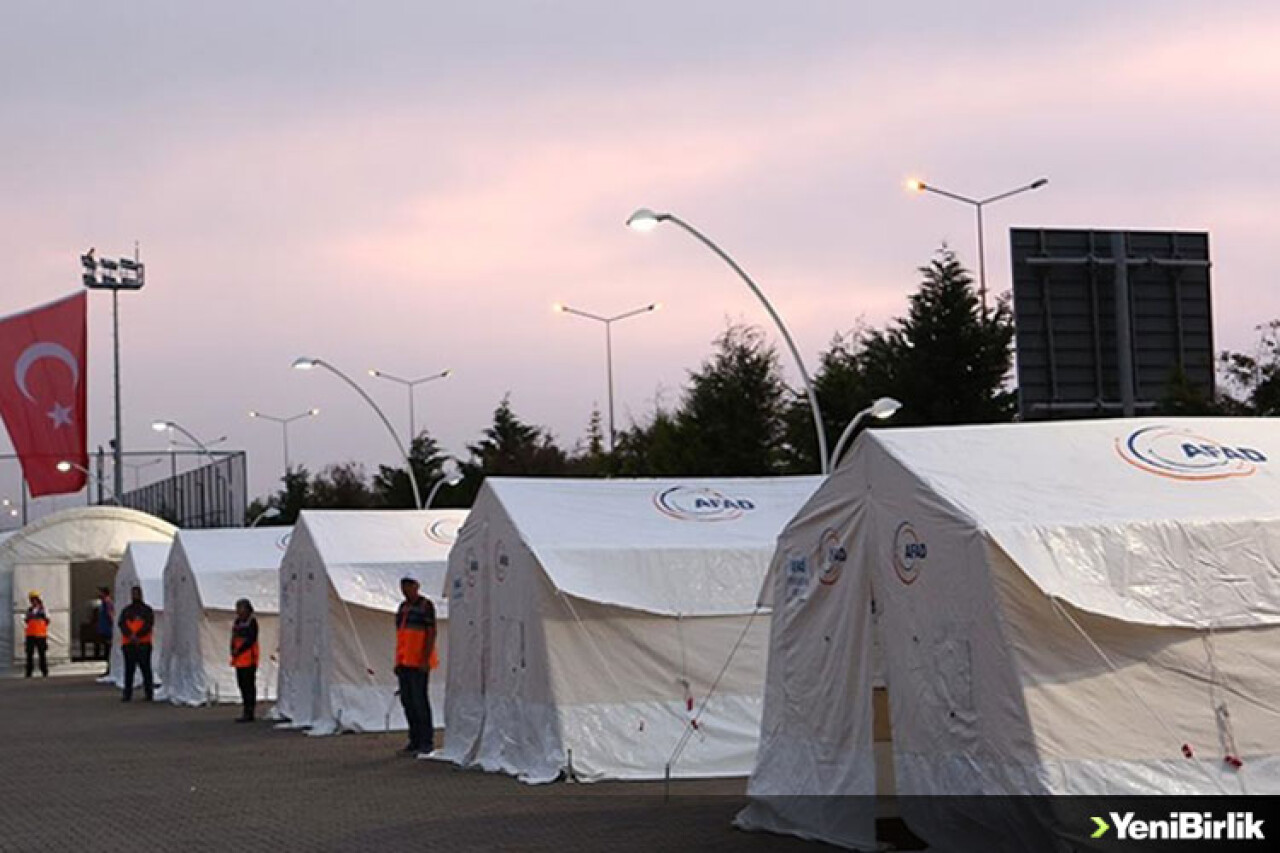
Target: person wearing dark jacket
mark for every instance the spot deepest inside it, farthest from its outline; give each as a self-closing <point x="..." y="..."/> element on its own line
<point x="244" y="657"/>
<point x="137" y="621"/>
<point x="415" y="658"/>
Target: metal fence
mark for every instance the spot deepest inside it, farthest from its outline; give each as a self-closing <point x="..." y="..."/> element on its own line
<point x="212" y="494"/>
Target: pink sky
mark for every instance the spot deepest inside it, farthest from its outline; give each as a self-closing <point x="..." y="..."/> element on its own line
<point x="411" y="186"/>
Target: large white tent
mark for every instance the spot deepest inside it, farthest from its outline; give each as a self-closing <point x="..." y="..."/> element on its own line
<point x="339" y="590"/>
<point x="207" y="571"/>
<point x="591" y="620"/>
<point x="65" y="556"/>
<point x="142" y="566"/>
<point x="1067" y="608"/>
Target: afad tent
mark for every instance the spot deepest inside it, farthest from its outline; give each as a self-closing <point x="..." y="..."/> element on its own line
<point x="339" y="591"/>
<point x="66" y="556"/>
<point x="142" y="566"/>
<point x="206" y="573"/>
<point x="1067" y="608"/>
<point x="591" y="622"/>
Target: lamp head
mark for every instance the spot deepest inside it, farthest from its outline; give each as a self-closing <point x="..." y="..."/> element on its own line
<point x="557" y="307"/>
<point x="305" y="363"/>
<point x="64" y="466"/>
<point x="885" y="407"/>
<point x="916" y="185"/>
<point x="445" y="374"/>
<point x="313" y="412"/>
<point x="1038" y="183"/>
<point x="253" y="414"/>
<point x="451" y="472"/>
<point x="161" y="426"/>
<point x="271" y="512"/>
<point x="657" y="306"/>
<point x="374" y="372"/>
<point x="644" y="219"/>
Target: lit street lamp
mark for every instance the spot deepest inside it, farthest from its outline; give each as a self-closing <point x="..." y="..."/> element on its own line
<point x="304" y="363"/>
<point x="645" y="220"/>
<point x="450" y="475"/>
<point x="921" y="187"/>
<point x="885" y="407"/>
<point x="66" y="467"/>
<point x="410" y="384"/>
<point x="284" y="427"/>
<point x="161" y="426"/>
<point x="608" y="344"/>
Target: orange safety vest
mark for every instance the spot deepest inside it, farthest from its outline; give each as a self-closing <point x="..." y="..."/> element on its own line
<point x="135" y="638"/>
<point x="241" y="659"/>
<point x="37" y="622"/>
<point x="414" y="621"/>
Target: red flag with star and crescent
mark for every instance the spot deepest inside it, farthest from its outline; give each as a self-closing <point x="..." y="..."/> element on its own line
<point x="42" y="392"/>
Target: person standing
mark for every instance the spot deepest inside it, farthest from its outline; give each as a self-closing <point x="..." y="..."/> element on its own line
<point x="244" y="657"/>
<point x="37" y="633"/>
<point x="106" y="621"/>
<point x="137" y="621"/>
<point x="415" y="658"/>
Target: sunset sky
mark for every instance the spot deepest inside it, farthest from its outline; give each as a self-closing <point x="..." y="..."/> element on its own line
<point x="411" y="185"/>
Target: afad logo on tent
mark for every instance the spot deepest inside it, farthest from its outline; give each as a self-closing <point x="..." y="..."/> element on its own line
<point x="832" y="555"/>
<point x="700" y="503"/>
<point x="443" y="531"/>
<point x="1183" y="455"/>
<point x="908" y="553"/>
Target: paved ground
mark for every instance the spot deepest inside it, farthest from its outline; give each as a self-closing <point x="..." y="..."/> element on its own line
<point x="81" y="771"/>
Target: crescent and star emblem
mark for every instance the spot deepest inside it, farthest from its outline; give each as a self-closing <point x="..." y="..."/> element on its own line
<point x="60" y="414"/>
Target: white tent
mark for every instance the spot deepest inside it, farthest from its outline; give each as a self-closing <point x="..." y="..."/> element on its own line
<point x="339" y="590"/>
<point x="1067" y="608"/>
<point x="207" y="571"/>
<point x="66" y="556"/>
<point x="142" y="566"/>
<point x="590" y="620"/>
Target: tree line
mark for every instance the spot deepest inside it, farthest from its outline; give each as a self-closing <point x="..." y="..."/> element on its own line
<point x="946" y="361"/>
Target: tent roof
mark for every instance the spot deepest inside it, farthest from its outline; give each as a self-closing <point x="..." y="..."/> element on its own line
<point x="82" y="533"/>
<point x="366" y="552"/>
<point x="235" y="562"/>
<point x="147" y="559"/>
<point x="685" y="546"/>
<point x="1161" y="521"/>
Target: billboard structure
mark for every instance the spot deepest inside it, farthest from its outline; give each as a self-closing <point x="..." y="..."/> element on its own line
<point x="1107" y="320"/>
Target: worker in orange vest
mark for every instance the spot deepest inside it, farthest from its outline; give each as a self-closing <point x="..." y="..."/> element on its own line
<point x="244" y="657"/>
<point x="37" y="632"/>
<point x="137" y="621"/>
<point x="415" y="658"/>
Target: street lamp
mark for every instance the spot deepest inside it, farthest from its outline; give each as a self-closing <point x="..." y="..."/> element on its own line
<point x="608" y="343"/>
<point x="115" y="275"/>
<point x="137" y="467"/>
<point x="284" y="427"/>
<point x="645" y="220"/>
<point x="66" y="467"/>
<point x="450" y="475"/>
<point x="161" y="426"/>
<point x="917" y="185"/>
<point x="269" y="512"/>
<point x="410" y="384"/>
<point x="304" y="363"/>
<point x="885" y="407"/>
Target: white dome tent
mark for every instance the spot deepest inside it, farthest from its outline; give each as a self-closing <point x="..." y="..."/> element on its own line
<point x="339" y="591"/>
<point x="591" y="620"/>
<point x="207" y="571"/>
<point x="65" y="556"/>
<point x="1075" y="608"/>
<point x="142" y="566"/>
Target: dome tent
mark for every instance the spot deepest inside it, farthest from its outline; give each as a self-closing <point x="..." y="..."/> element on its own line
<point x="49" y="554"/>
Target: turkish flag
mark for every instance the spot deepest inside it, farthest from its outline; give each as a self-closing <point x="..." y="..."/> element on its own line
<point x="42" y="392"/>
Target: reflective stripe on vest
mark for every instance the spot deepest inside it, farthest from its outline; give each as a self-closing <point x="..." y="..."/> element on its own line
<point x="37" y="623"/>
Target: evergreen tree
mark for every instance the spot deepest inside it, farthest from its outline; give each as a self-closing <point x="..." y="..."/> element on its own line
<point x="391" y="486"/>
<point x="1253" y="381"/>
<point x="510" y="447"/>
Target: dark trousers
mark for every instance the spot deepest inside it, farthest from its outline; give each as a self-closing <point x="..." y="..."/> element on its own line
<point x="247" y="681"/>
<point x="37" y="645"/>
<point x="417" y="709"/>
<point x="137" y="657"/>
